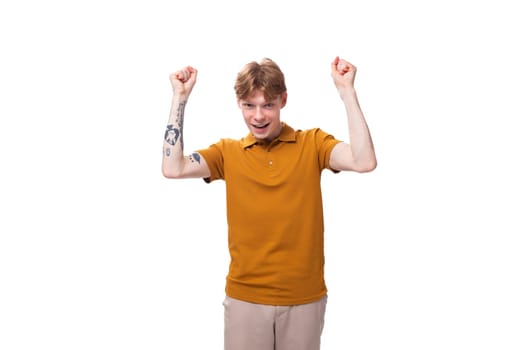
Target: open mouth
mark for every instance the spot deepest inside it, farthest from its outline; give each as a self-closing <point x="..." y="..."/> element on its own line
<point x="260" y="126"/>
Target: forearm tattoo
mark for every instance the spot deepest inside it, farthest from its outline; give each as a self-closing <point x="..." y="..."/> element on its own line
<point x="180" y="122"/>
<point x="171" y="135"/>
<point x="174" y="132"/>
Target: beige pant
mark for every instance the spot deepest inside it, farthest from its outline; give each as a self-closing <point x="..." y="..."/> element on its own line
<point x="250" y="326"/>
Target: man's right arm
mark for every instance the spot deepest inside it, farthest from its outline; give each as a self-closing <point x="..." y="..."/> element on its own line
<point x="176" y="165"/>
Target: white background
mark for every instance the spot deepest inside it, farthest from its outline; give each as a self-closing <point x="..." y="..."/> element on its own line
<point x="99" y="251"/>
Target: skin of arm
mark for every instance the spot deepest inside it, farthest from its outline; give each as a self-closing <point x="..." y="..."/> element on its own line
<point x="175" y="164"/>
<point x="358" y="155"/>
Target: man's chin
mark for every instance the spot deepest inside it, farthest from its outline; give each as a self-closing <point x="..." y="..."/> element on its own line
<point x="260" y="133"/>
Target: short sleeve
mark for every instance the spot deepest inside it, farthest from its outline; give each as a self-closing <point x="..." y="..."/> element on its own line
<point x="325" y="144"/>
<point x="215" y="159"/>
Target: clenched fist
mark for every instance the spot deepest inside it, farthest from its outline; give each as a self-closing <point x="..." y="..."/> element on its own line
<point x="183" y="81"/>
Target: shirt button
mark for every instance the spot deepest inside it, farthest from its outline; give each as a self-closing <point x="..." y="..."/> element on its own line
<point x="270" y="162"/>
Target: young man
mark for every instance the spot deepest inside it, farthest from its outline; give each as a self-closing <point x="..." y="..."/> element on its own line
<point x="275" y="289"/>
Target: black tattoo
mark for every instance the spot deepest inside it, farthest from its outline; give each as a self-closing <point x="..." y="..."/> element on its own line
<point x="167" y="152"/>
<point x="195" y="157"/>
<point x="171" y="135"/>
<point x="180" y="121"/>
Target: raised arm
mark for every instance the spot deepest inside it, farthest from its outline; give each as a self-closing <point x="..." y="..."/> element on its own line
<point x="175" y="164"/>
<point x="359" y="154"/>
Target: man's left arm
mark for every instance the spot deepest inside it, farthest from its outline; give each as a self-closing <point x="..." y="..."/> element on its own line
<point x="358" y="155"/>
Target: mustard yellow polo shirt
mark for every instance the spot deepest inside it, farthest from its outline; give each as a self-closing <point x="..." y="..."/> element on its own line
<point x="275" y="214"/>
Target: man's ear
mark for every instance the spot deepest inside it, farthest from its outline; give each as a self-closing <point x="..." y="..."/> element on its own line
<point x="284" y="98"/>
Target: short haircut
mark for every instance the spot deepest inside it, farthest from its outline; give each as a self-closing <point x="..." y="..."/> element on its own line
<point x="265" y="76"/>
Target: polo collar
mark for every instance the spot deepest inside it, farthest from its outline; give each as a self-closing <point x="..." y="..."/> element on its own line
<point x="287" y="135"/>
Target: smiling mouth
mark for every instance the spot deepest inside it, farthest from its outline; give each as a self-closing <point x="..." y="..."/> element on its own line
<point x="260" y="126"/>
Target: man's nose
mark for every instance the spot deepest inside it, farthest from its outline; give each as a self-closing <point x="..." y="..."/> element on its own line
<point x="258" y="113"/>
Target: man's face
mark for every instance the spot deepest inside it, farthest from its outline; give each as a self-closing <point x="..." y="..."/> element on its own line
<point x="262" y="117"/>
